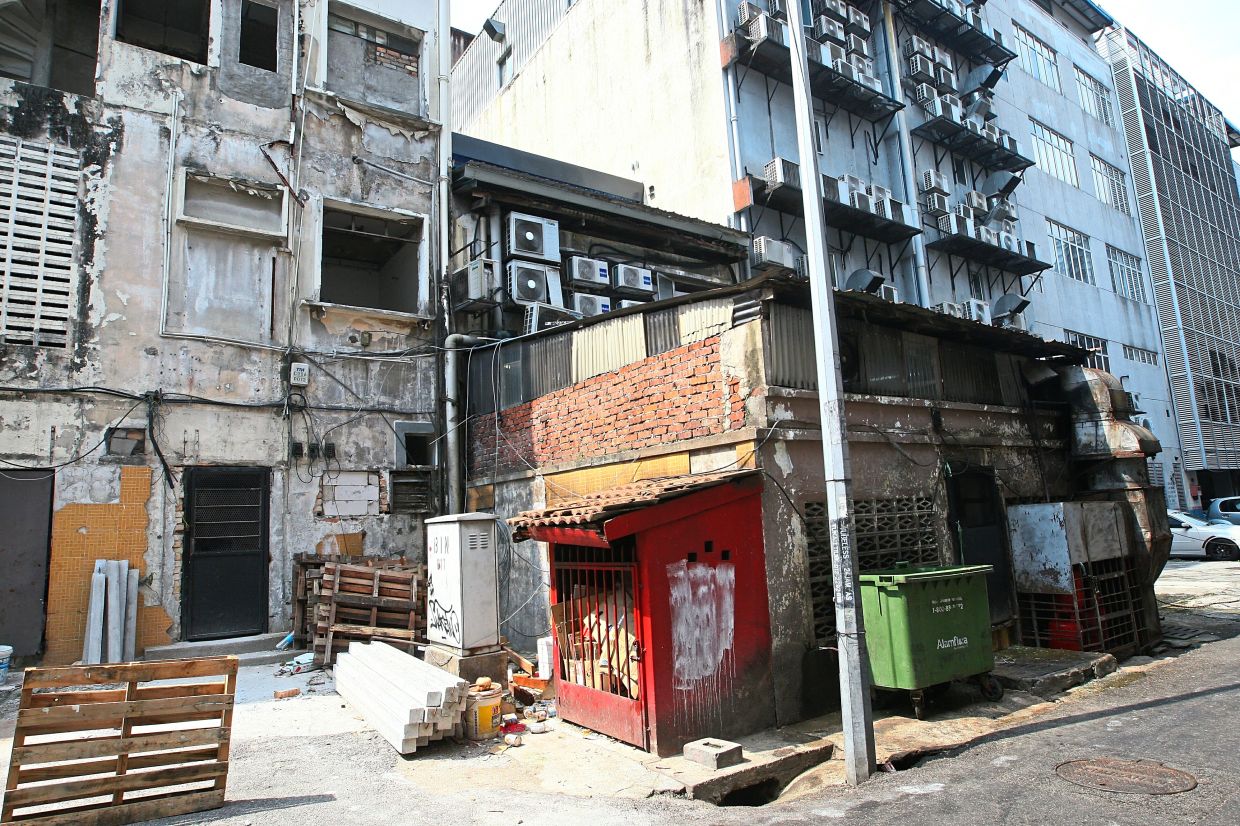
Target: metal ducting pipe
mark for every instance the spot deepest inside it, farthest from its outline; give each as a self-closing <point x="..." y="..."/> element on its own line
<point x="454" y="345"/>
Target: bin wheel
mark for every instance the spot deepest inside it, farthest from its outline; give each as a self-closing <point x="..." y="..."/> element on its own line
<point x="992" y="689"/>
<point x="919" y="704"/>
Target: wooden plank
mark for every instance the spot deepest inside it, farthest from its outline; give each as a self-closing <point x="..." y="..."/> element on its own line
<point x="76" y="790"/>
<point x="124" y="672"/>
<point x="62" y="771"/>
<point x="225" y="747"/>
<point x="373" y="602"/>
<point x="369" y="631"/>
<point x="151" y="807"/>
<point x="135" y="709"/>
<point x="70" y="726"/>
<point x="112" y="746"/>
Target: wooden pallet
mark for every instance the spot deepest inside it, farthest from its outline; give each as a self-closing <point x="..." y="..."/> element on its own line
<point x="363" y="603"/>
<point x="88" y="715"/>
<point x="307" y="585"/>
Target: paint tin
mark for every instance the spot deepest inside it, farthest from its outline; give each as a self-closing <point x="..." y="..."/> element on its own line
<point x="512" y="739"/>
<point x="482" y="714"/>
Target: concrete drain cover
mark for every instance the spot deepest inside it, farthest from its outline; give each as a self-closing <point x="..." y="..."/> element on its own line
<point x="1111" y="774"/>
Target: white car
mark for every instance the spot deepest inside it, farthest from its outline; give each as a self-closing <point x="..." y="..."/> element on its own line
<point x="1191" y="536"/>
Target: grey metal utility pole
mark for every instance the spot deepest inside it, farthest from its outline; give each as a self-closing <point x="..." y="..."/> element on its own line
<point x="854" y="665"/>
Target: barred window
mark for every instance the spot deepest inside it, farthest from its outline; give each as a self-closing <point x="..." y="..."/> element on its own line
<point x="1072" y="255"/>
<point x="1140" y="354"/>
<point x="1054" y="154"/>
<point x="1109" y="185"/>
<point x="1126" y="276"/>
<point x="1095" y="97"/>
<point x="1037" y="58"/>
<point x="1097" y="347"/>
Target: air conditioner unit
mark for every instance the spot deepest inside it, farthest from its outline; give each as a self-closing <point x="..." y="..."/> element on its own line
<point x="963" y="210"/>
<point x="1031" y="249"/>
<point x="833" y="9"/>
<point x="956" y="7"/>
<point x="745" y="13"/>
<point x="864" y="65"/>
<point x="976" y="201"/>
<point x="534" y="284"/>
<point x="873" y="82"/>
<point x="589" y="305"/>
<point x="918" y="45"/>
<point x="769" y="254"/>
<point x="1009" y="242"/>
<point x="477" y="282"/>
<point x="976" y="21"/>
<point x="529" y="236"/>
<point x="1010" y="143"/>
<point x="955" y="224"/>
<point x="945" y="79"/>
<point x="588" y="272"/>
<point x="857" y="45"/>
<point x="848" y="70"/>
<point x="954" y="102"/>
<point x="827" y="30"/>
<point x="858" y="22"/>
<point x="802" y="266"/>
<point x="539" y="317"/>
<point x="835" y="190"/>
<point x="626" y="303"/>
<point x="897" y="211"/>
<point x="831" y="52"/>
<point x="977" y="310"/>
<point x="813" y="51"/>
<point x="879" y="193"/>
<point x="665" y="287"/>
<point x="880" y="207"/>
<point x="1008" y="227"/>
<point x="950" y="308"/>
<point x="936" y="204"/>
<point x="974" y="124"/>
<point x="778" y="9"/>
<point x="991" y="132"/>
<point x="943" y="57"/>
<point x="921" y="69"/>
<point x="861" y="200"/>
<point x="924" y="94"/>
<point x="781" y="172"/>
<point x="942" y="108"/>
<point x="765" y="27"/>
<point x="933" y="180"/>
<point x="987" y="236"/>
<point x="630" y="280"/>
<point x="889" y="293"/>
<point x="854" y="183"/>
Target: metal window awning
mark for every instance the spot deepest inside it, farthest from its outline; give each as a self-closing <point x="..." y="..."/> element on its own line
<point x="960" y="140"/>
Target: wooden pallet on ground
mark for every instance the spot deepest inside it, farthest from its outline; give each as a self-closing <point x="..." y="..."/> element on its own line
<point x="363" y="603"/>
<point x="79" y="726"/>
<point x="307" y="585"/>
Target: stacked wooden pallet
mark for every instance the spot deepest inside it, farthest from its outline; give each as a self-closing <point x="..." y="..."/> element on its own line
<point x="357" y="602"/>
<point x="407" y="701"/>
<point x="308" y="586"/>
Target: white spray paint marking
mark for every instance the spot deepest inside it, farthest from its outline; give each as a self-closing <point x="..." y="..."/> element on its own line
<point x="703" y="601"/>
<point x="782" y="459"/>
<point x="1004" y="760"/>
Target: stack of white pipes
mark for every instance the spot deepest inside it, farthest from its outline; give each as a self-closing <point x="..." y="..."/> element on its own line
<point x="112" y="614"/>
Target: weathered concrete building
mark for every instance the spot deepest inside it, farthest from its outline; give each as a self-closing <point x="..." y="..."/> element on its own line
<point x="221" y="236"/>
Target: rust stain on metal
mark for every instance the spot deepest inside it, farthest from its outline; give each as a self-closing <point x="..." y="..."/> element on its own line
<point x="1113" y="774"/>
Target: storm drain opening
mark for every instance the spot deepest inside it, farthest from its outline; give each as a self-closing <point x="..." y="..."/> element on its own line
<point x="1113" y="774"/>
<point x="755" y="794"/>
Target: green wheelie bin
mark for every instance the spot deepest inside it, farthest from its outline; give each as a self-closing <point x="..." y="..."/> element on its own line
<point x="928" y="626"/>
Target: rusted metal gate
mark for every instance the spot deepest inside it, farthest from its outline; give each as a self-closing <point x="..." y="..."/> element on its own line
<point x="597" y="628"/>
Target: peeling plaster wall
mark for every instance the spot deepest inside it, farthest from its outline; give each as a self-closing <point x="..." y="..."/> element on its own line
<point x="154" y="112"/>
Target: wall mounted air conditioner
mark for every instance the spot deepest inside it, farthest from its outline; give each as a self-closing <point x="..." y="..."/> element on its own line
<point x="880" y="207"/>
<point x="529" y="236"/>
<point x="887" y="292"/>
<point x="1031" y="249"/>
<point x="814" y="51"/>
<point x="977" y="310"/>
<point x="918" y="45"/>
<point x="765" y="27"/>
<point x="943" y="57"/>
<point x="878" y="193"/>
<point x="626" y="303"/>
<point x="1008" y="241"/>
<point x="937" y="204"/>
<point x="1008" y="227"/>
<point x="921" y="69"/>
<point x="848" y="70"/>
<point x="991" y="132"/>
<point x="630" y="280"/>
<point x="534" y="284"/>
<point x="976" y="21"/>
<point x="898" y="211"/>
<point x="769" y="255"/>
<point x="945" y="79"/>
<point x="1009" y="143"/>
<point x="933" y="180"/>
<point x="987" y="236"/>
<point x="950" y="308"/>
<point x="873" y="82"/>
<point x="835" y="190"/>
<point x="477" y="282"/>
<point x="834" y="9"/>
<point x="924" y="93"/>
<point x="857" y="45"/>
<point x="858" y="22"/>
<point x="954" y="102"/>
<point x="781" y="172"/>
<point x="864" y="65"/>
<point x="540" y="317"/>
<point x="974" y="124"/>
<point x="955" y="224"/>
<point x="590" y="272"/>
<point x="827" y="30"/>
<point x="956" y="7"/>
<point x="745" y="13"/>
<point x="854" y="183"/>
<point x="861" y="200"/>
<point x="779" y="9"/>
<point x="831" y="52"/>
<point x="589" y="305"/>
<point x="976" y="201"/>
<point x="942" y="108"/>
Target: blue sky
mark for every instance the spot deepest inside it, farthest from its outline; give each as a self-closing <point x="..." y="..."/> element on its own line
<point x="1200" y="38"/>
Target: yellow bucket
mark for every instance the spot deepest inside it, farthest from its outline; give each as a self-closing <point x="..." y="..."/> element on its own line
<point x="482" y="714"/>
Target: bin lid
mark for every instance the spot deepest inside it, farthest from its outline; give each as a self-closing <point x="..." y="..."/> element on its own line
<point x="924" y="573"/>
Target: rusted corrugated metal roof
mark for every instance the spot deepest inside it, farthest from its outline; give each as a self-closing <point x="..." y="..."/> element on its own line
<point x="592" y="510"/>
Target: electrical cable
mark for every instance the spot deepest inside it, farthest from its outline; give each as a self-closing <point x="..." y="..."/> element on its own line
<point x="81" y="456"/>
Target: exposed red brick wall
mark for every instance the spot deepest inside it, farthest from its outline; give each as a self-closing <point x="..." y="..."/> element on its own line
<point x="677" y="395"/>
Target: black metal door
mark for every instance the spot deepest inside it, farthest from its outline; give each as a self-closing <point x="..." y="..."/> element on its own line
<point x="224" y="579"/>
<point x="979" y="530"/>
<point x="26" y="514"/>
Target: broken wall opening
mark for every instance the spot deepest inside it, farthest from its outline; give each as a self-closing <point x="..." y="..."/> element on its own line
<point x="370" y="261"/>
<point x="259" y="36"/>
<point x="373" y="60"/>
<point x="180" y="28"/>
<point x="52" y="43"/>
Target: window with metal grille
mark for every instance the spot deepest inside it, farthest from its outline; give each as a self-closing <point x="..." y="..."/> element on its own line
<point x="1053" y="153"/>
<point x="1141" y="355"/>
<point x="1072" y="255"/>
<point x="38" y="224"/>
<point x="1095" y="97"/>
<point x="1097" y="347"/>
<point x="1126" y="275"/>
<point x="1110" y="185"/>
<point x="412" y="492"/>
<point x="1037" y="57"/>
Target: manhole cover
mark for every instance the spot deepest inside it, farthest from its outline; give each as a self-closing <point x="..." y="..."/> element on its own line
<point x="1111" y="774"/>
